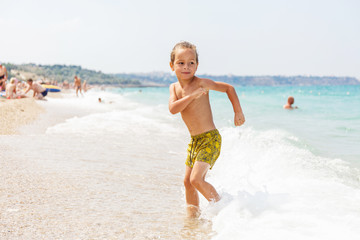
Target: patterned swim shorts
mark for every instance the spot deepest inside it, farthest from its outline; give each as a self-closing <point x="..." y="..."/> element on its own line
<point x="204" y="147"/>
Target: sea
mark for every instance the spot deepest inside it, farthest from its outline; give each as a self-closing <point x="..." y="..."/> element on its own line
<point x="284" y="174"/>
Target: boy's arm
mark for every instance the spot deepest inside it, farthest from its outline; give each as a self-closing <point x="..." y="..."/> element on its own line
<point x="239" y="118"/>
<point x="27" y="90"/>
<point x="178" y="105"/>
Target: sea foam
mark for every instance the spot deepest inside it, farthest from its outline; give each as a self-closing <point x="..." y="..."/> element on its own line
<point x="273" y="187"/>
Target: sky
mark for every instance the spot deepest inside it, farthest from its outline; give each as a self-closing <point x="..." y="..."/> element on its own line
<point x="233" y="37"/>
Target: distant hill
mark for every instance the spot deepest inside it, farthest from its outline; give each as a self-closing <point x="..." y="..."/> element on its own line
<point x="166" y="79"/>
<point x="286" y="80"/>
<point x="61" y="73"/>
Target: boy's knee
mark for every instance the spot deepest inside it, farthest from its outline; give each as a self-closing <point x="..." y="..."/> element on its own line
<point x="187" y="183"/>
<point x="195" y="181"/>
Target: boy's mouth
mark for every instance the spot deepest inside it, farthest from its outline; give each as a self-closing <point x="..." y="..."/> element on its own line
<point x="185" y="72"/>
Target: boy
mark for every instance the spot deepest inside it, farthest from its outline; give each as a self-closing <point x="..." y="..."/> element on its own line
<point x="190" y="97"/>
<point x="39" y="91"/>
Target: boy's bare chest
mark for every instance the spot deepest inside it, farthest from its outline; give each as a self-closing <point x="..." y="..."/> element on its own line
<point x="183" y="92"/>
<point x="198" y="104"/>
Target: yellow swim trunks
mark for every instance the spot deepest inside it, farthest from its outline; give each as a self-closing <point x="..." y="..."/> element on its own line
<point x="204" y="147"/>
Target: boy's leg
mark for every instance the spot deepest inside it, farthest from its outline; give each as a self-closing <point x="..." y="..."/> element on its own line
<point x="39" y="96"/>
<point x="197" y="179"/>
<point x="191" y="194"/>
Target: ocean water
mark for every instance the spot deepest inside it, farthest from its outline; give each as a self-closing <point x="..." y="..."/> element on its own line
<point x="284" y="174"/>
<point x="327" y="121"/>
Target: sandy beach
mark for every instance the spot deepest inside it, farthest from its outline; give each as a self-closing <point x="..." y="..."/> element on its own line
<point x="17" y="112"/>
<point x="26" y="186"/>
<point x="36" y="200"/>
<point x="54" y="187"/>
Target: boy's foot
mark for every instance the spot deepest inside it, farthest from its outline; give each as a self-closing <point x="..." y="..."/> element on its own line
<point x="193" y="211"/>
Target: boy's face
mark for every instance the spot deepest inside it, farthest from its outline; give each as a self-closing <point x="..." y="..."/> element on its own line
<point x="185" y="64"/>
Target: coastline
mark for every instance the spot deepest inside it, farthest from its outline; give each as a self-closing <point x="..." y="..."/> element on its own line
<point x="89" y="170"/>
<point x="57" y="186"/>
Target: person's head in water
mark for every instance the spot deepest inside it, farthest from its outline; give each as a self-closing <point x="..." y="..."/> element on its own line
<point x="290" y="102"/>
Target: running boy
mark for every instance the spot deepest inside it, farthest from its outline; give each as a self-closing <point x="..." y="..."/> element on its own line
<point x="190" y="97"/>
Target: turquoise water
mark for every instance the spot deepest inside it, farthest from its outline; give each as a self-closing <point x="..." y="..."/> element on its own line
<point x="327" y="121"/>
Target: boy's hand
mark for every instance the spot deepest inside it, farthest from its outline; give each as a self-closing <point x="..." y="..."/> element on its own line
<point x="199" y="92"/>
<point x="239" y="119"/>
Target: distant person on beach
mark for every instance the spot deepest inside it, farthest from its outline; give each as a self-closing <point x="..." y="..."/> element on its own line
<point x="102" y="101"/>
<point x="65" y="85"/>
<point x="39" y="91"/>
<point x="11" y="90"/>
<point x="21" y="85"/>
<point x="84" y="86"/>
<point x="190" y="97"/>
<point x="3" y="77"/>
<point x="290" y="102"/>
<point x="77" y="85"/>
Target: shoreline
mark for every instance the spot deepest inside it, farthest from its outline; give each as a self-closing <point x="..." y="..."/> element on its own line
<point x="66" y="184"/>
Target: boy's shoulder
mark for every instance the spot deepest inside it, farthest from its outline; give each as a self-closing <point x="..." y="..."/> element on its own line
<point x="204" y="80"/>
<point x="174" y="85"/>
<point x="195" y="81"/>
<point x="199" y="81"/>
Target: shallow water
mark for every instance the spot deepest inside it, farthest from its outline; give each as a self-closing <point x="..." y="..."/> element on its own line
<point x="98" y="174"/>
<point x="114" y="170"/>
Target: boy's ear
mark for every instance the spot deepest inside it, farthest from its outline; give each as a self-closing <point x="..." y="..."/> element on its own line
<point x="172" y="66"/>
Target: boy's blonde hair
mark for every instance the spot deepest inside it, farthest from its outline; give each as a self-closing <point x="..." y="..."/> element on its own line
<point x="183" y="44"/>
<point x="12" y="80"/>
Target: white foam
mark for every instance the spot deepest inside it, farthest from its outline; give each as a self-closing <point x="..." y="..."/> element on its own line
<point x="275" y="189"/>
<point x="117" y="115"/>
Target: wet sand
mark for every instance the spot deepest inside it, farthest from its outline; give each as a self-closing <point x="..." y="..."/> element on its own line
<point x="30" y="192"/>
<point x="54" y="187"/>
<point x="40" y="201"/>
